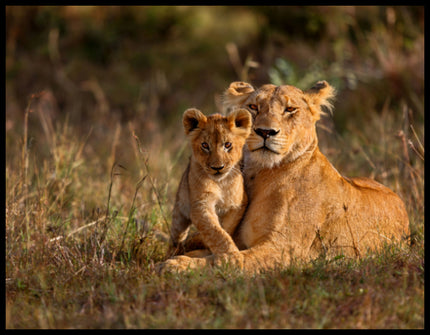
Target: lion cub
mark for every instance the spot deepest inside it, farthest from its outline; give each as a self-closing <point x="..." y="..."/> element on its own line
<point x="211" y="192"/>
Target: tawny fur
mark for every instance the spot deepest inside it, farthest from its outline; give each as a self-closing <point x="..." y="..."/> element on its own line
<point x="211" y="193"/>
<point x="300" y="207"/>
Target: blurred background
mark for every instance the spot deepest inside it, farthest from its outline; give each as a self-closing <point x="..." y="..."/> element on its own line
<point x="105" y="84"/>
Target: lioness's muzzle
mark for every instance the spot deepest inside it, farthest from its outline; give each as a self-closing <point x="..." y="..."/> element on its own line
<point x="266" y="133"/>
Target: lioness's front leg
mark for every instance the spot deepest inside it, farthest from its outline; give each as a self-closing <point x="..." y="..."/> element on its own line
<point x="254" y="260"/>
<point x="266" y="254"/>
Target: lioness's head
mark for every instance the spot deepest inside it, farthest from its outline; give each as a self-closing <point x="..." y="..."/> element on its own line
<point x="283" y="118"/>
<point x="216" y="140"/>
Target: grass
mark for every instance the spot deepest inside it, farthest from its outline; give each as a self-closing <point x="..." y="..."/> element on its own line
<point x="92" y="165"/>
<point x="81" y="249"/>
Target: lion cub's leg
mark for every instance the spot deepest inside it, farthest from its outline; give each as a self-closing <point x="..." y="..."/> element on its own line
<point x="180" y="218"/>
<point x="180" y="226"/>
<point x="194" y="242"/>
<point x="207" y="223"/>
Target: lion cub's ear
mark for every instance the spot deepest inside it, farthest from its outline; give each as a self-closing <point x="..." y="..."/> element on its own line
<point x="320" y="95"/>
<point x="240" y="122"/>
<point x="193" y="119"/>
<point x="236" y="94"/>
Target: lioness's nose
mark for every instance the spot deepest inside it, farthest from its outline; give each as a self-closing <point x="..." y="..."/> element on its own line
<point x="217" y="168"/>
<point x="266" y="133"/>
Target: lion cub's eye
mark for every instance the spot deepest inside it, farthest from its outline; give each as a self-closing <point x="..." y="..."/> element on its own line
<point x="253" y="107"/>
<point x="227" y="145"/>
<point x="205" y="146"/>
<point x="290" y="109"/>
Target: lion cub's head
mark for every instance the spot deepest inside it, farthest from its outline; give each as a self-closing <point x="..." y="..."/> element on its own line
<point x="216" y="140"/>
<point x="283" y="118"/>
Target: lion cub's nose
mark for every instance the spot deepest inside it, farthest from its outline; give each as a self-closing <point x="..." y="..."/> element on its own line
<point x="217" y="168"/>
<point x="266" y="133"/>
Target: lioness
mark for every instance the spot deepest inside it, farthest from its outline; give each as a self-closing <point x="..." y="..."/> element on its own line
<point x="300" y="207"/>
<point x="211" y="192"/>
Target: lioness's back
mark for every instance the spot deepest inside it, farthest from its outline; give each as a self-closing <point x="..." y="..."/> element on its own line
<point x="389" y="207"/>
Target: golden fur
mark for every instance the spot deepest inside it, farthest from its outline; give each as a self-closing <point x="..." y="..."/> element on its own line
<point x="300" y="207"/>
<point x="211" y="193"/>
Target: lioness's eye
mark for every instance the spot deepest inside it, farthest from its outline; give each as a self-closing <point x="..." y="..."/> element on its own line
<point x="205" y="146"/>
<point x="227" y="145"/>
<point x="290" y="109"/>
<point x="253" y="107"/>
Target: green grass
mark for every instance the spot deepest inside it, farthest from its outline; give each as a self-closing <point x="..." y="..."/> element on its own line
<point x="94" y="156"/>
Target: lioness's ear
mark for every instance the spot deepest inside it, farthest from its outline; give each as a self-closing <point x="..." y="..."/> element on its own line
<point x="320" y="95"/>
<point x="193" y="119"/>
<point x="236" y="94"/>
<point x="241" y="121"/>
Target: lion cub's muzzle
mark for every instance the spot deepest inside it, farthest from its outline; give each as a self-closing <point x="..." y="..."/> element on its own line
<point x="217" y="169"/>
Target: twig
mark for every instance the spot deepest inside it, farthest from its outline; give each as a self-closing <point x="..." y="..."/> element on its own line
<point x="420" y="155"/>
<point x="407" y="164"/>
<point x="59" y="238"/>
<point x="411" y="144"/>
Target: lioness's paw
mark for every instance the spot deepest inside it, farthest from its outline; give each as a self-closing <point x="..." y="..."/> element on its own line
<point x="178" y="264"/>
<point x="234" y="259"/>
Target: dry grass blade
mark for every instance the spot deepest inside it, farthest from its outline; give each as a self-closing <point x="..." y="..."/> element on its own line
<point x="131" y="211"/>
<point x="108" y="217"/>
<point x="421" y="147"/>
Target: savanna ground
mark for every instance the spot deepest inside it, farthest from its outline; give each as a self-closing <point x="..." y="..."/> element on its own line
<point x="95" y="150"/>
